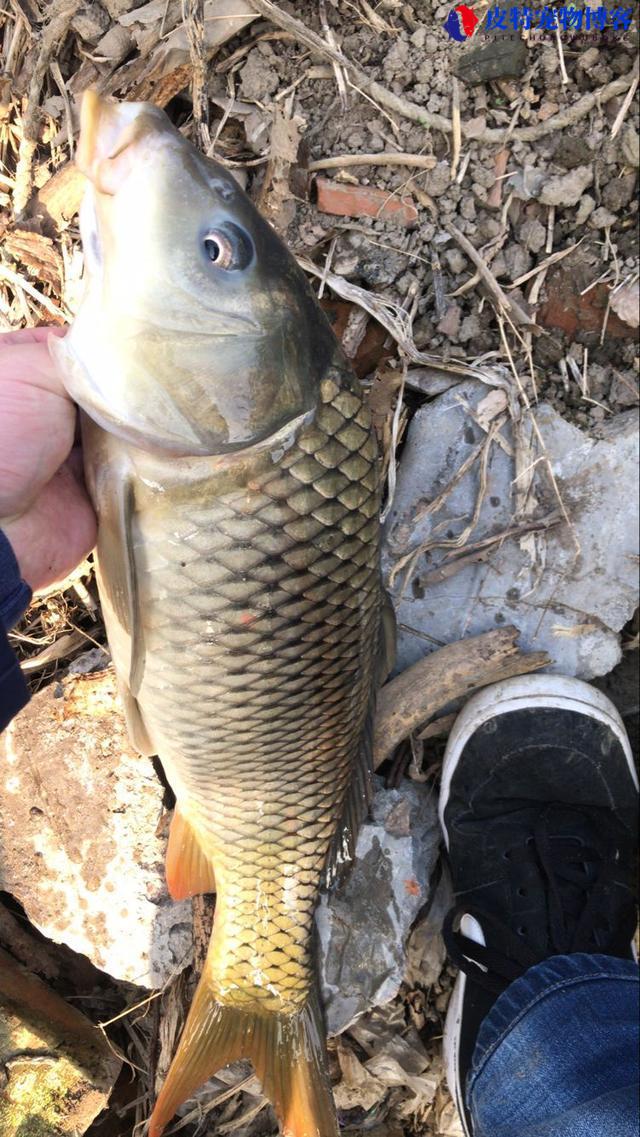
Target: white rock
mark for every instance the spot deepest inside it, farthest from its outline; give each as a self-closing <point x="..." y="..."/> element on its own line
<point x="569" y="590"/>
<point x="79" y="813"/>
<point x="365" y="922"/>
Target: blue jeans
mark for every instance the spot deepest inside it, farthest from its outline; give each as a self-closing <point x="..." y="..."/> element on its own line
<point x="557" y="1055"/>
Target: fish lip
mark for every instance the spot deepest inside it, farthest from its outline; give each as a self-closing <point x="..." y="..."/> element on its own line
<point x="234" y="325"/>
<point x="107" y="130"/>
<point x="89" y="152"/>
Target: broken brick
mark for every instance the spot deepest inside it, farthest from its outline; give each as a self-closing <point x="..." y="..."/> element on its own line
<point x="363" y="201"/>
<point x="569" y="311"/>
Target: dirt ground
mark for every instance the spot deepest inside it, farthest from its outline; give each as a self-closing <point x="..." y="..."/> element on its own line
<point x="507" y="236"/>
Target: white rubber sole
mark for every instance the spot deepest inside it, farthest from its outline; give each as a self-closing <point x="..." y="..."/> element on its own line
<point x="451" y="1036"/>
<point x="525" y="691"/>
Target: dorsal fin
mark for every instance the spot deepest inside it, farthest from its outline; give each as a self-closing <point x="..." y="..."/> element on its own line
<point x="360" y="791"/>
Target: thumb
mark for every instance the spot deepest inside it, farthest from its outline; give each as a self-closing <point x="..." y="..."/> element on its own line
<point x="25" y="357"/>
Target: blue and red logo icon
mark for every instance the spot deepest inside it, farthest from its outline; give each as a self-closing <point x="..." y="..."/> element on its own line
<point x="461" y="23"/>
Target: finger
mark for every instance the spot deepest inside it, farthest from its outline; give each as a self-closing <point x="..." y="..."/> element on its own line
<point x="37" y="429"/>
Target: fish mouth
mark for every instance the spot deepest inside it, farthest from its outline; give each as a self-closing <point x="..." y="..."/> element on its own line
<point x="107" y="132"/>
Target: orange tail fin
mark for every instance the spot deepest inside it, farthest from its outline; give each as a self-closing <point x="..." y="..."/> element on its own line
<point x="288" y="1055"/>
<point x="189" y="871"/>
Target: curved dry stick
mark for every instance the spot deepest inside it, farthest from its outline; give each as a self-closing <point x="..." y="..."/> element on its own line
<point x="408" y="701"/>
<point x="384" y="158"/>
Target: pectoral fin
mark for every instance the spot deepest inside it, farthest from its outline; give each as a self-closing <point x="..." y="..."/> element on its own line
<point x="110" y="481"/>
<point x="136" y="728"/>
<point x="359" y="792"/>
<point x="118" y="581"/>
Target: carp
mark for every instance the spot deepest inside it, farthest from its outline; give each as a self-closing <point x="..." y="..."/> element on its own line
<point x="232" y="463"/>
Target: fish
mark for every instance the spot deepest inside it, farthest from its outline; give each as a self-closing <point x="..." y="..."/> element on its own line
<point x="232" y="463"/>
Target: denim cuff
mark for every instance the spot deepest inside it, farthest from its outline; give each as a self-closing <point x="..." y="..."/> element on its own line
<point x="536" y="984"/>
<point x="15" y="593"/>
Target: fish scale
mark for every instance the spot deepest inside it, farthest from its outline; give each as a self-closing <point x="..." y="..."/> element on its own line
<point x="278" y="635"/>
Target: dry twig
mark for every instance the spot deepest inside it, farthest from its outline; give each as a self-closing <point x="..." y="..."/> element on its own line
<point x="456" y="128"/>
<point x="504" y="302"/>
<point x="384" y="158"/>
<point x="337" y="69"/>
<point x="628" y="99"/>
<point x="545" y="264"/>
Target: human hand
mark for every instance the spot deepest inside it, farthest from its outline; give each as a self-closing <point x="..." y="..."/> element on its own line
<point x="44" y="509"/>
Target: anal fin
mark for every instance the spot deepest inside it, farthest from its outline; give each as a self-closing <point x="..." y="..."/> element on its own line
<point x="189" y="870"/>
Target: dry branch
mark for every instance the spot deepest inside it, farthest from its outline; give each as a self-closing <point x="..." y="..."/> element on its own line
<point x="407" y="702"/>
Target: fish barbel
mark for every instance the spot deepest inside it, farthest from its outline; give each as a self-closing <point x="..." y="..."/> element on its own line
<point x="231" y="460"/>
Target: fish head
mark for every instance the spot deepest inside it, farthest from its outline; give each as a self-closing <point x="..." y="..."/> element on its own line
<point x="197" y="332"/>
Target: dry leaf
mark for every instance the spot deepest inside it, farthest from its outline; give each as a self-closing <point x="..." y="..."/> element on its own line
<point x="358" y="1087"/>
<point x="277" y="200"/>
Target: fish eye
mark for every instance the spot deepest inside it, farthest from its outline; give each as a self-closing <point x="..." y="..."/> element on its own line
<point x="227" y="247"/>
<point x="218" y="249"/>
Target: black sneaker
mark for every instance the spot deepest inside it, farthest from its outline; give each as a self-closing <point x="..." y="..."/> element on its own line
<point x="538" y="807"/>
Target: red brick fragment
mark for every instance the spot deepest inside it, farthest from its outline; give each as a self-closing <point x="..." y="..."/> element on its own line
<point x="569" y="311"/>
<point x="363" y="201"/>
